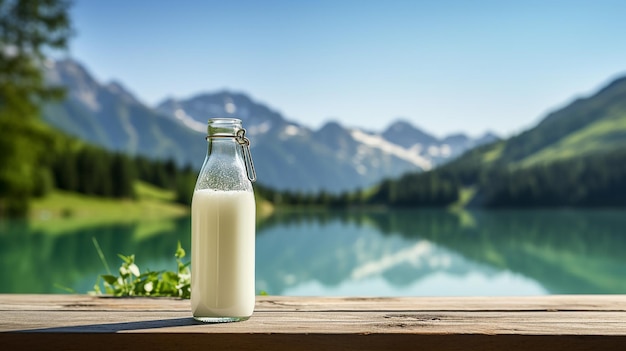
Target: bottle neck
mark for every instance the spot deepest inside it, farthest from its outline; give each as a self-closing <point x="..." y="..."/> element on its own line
<point x="223" y="147"/>
<point x="221" y="130"/>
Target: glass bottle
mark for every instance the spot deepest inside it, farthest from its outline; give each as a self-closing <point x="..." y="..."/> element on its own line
<point x="223" y="227"/>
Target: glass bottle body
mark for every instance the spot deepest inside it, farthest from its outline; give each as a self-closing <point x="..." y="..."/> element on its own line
<point x="223" y="215"/>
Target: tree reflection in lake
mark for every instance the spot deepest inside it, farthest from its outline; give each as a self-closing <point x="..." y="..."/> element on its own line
<point x="467" y="253"/>
<point x="387" y="253"/>
<point x="38" y="261"/>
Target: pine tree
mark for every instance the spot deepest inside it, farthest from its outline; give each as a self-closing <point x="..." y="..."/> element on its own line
<point x="27" y="29"/>
<point x="123" y="176"/>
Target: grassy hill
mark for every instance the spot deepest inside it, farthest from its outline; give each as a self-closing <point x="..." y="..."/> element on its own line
<point x="63" y="210"/>
<point x="587" y="126"/>
<point x="576" y="156"/>
<point x="604" y="135"/>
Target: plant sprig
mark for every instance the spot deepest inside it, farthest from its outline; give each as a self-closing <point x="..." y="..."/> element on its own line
<point x="131" y="282"/>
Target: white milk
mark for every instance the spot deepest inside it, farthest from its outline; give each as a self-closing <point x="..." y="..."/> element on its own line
<point x="222" y="255"/>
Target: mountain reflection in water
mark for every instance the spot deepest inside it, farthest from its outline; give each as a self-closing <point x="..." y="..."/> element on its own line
<point x="375" y="253"/>
<point x="434" y="252"/>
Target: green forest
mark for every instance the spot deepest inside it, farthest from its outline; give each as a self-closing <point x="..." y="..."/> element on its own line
<point x="591" y="181"/>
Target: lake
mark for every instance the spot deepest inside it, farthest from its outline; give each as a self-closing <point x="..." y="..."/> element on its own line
<point x="340" y="253"/>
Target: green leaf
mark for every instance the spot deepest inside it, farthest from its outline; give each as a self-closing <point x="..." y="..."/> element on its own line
<point x="100" y="254"/>
<point x="110" y="279"/>
<point x="180" y="252"/>
<point x="127" y="259"/>
<point x="170" y="277"/>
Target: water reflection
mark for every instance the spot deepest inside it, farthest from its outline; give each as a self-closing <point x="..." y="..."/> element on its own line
<point x="355" y="253"/>
<point x="35" y="260"/>
<point x="443" y="253"/>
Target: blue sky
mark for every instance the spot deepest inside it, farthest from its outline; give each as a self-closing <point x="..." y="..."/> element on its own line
<point x="446" y="66"/>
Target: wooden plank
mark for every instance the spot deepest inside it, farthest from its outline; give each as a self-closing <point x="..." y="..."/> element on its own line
<point x="299" y="323"/>
<point x="350" y="322"/>
<point x="289" y="303"/>
<point x="17" y="302"/>
<point x="498" y="303"/>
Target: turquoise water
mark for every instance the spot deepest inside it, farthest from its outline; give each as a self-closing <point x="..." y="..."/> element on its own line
<point x="385" y="253"/>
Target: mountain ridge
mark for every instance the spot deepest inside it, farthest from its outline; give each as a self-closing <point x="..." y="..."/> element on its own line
<point x="589" y="124"/>
<point x="288" y="154"/>
<point x="575" y="156"/>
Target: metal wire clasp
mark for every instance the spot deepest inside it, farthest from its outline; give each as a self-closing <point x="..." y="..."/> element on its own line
<point x="247" y="156"/>
<point x="244" y="142"/>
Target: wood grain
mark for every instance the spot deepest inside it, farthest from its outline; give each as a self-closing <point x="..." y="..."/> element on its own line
<point x="67" y="322"/>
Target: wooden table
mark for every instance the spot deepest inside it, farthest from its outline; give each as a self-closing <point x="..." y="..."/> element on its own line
<point x="73" y="322"/>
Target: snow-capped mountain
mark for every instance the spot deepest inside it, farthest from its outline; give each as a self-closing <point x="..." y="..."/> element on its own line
<point x="400" y="148"/>
<point x="287" y="154"/>
<point x="437" y="151"/>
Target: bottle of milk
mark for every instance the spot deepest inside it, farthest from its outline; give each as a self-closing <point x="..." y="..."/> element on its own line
<point x="223" y="227"/>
